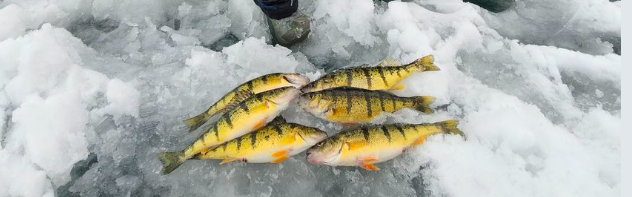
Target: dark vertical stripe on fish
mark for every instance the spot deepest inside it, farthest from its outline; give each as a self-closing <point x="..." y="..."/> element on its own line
<point x="381" y="97"/>
<point x="244" y="106"/>
<point x="265" y="79"/>
<point x="349" y="102"/>
<point x="215" y="131"/>
<point x="239" y="143"/>
<point x="369" y="107"/>
<point x="227" y="120"/>
<point x="349" y="77"/>
<point x="202" y="138"/>
<point x="399" y="128"/>
<point x="224" y="146"/>
<point x="250" y="86"/>
<point x="365" y="132"/>
<point x="398" y="74"/>
<point x="253" y="139"/>
<point x="381" y="71"/>
<point x="367" y="75"/>
<point x="278" y="129"/>
<point x="394" y="103"/>
<point x="386" y="133"/>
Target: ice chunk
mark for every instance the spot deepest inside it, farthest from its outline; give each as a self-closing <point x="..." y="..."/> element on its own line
<point x="122" y="98"/>
<point x="50" y="95"/>
<point x="12" y="18"/>
<point x="21" y="178"/>
<point x="53" y="140"/>
<point x="247" y="20"/>
<point x="255" y="55"/>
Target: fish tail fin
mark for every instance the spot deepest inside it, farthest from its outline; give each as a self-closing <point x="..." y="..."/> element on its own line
<point x="449" y="126"/>
<point x="422" y="104"/>
<point x="427" y="63"/>
<point x="197" y="121"/>
<point x="170" y="161"/>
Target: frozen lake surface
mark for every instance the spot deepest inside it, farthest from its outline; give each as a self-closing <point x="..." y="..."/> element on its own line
<point x="92" y="90"/>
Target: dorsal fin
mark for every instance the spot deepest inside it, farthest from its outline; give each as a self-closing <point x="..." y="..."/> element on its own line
<point x="389" y="62"/>
<point x="278" y="120"/>
<point x="239" y="97"/>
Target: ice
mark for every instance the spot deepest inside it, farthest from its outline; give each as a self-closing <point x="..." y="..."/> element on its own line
<point x="93" y="90"/>
<point x="11" y="16"/>
<point x="122" y="98"/>
<point x="590" y="26"/>
<point x="21" y="178"/>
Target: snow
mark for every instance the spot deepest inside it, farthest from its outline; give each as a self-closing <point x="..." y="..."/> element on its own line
<point x="93" y="90"/>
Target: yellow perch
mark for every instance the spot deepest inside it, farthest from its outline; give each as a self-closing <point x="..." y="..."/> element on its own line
<point x="350" y="106"/>
<point x="372" y="78"/>
<point x="242" y="92"/>
<point x="367" y="146"/>
<point x="247" y="116"/>
<point x="270" y="144"/>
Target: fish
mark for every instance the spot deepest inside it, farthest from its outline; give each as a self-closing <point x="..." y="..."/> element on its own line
<point x="245" y="90"/>
<point x="278" y="120"/>
<point x="385" y="77"/>
<point x="270" y="144"/>
<point x="249" y="115"/>
<point x="349" y="106"/>
<point x="366" y="146"/>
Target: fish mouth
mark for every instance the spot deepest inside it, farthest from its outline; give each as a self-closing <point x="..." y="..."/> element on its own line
<point x="308" y="88"/>
<point x="313" y="160"/>
<point x="297" y="81"/>
<point x="289" y="95"/>
<point x="316" y="157"/>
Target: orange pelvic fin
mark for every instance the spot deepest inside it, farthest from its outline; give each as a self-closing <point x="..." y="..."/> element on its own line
<point x="370" y="167"/>
<point x="280" y="153"/>
<point x="369" y="159"/>
<point x="280" y="159"/>
<point x="419" y="141"/>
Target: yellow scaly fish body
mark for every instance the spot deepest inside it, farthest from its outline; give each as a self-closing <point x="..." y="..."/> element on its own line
<point x="271" y="144"/>
<point x="366" y="146"/>
<point x="247" y="116"/>
<point x="353" y="105"/>
<point x="371" y="78"/>
<point x="245" y="90"/>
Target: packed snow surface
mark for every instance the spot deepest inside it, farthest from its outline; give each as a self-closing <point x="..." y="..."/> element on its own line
<point x="92" y="90"/>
